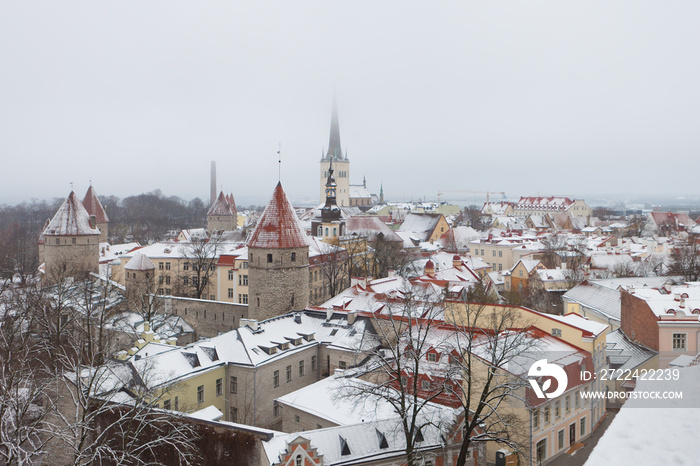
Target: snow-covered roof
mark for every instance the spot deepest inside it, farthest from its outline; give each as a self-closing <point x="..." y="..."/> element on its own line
<point x="624" y="354"/>
<point x="544" y="203"/>
<point x="604" y="300"/>
<point x="140" y="262"/>
<point x="575" y="320"/>
<point x="370" y="226"/>
<point x="652" y="432"/>
<point x="327" y="399"/>
<point x="278" y="226"/>
<point x="680" y="300"/>
<point x="420" y="224"/>
<point x="71" y="219"/>
<point x="359" y="191"/>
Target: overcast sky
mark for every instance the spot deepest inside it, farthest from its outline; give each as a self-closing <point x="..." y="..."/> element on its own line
<point x="527" y="97"/>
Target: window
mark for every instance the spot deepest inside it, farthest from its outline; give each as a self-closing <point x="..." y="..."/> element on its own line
<point x="560" y="439"/>
<point x="233" y="414"/>
<point x="160" y="279"/>
<point x="294" y="257"/>
<point x="583" y="426"/>
<point x="167" y="266"/>
<point x="342" y="365"/>
<point x="432" y="357"/>
<point x="289" y="373"/>
<point x="536" y="419"/>
<point x="177" y="403"/>
<point x="297" y="461"/>
<point x="166" y="404"/>
<point x="244" y="265"/>
<point x="219" y="387"/>
<point x="243" y="280"/>
<point x="297" y="419"/>
<point x="160" y="266"/>
<point x="567" y="403"/>
<point x="276" y="379"/>
<point x="167" y="291"/>
<point x="230" y="292"/>
<point x="301" y="368"/>
<point x="233" y="385"/>
<point x="541" y="450"/>
<point x="186" y="266"/>
<point x="679" y="341"/>
<point x="546" y="414"/>
<point x="200" y="394"/>
<point x="425" y="385"/>
<point x="556" y="332"/>
<point x="167" y="280"/>
<point x="269" y="258"/>
<point x="313" y="363"/>
<point x="557" y="409"/>
<point x="230" y="274"/>
<point x="494" y="253"/>
<point x="577" y="398"/>
<point x="243" y="299"/>
<point x="500" y="253"/>
<point x="276" y="409"/>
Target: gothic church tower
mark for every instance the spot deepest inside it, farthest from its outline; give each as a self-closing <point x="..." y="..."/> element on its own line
<point x="340" y="163"/>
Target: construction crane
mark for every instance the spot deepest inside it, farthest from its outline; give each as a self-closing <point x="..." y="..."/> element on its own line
<point x="488" y="193"/>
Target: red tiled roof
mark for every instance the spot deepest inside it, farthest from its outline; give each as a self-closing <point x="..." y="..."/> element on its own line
<point x="221" y="206"/>
<point x="94" y="207"/>
<point x="278" y="226"/>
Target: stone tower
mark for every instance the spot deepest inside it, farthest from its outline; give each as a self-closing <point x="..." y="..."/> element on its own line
<point x="71" y="242"/>
<point x="139" y="280"/>
<point x="94" y="207"/>
<point x="278" y="261"/>
<point x="340" y="161"/>
<point x="222" y="214"/>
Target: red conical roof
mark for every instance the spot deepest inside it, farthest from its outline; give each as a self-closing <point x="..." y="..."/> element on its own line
<point x="221" y="206"/>
<point x="94" y="207"/>
<point x="278" y="226"/>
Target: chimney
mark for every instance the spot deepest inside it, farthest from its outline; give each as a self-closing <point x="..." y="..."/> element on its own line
<point x="456" y="262"/>
<point x="352" y="315"/>
<point x="212" y="194"/>
<point x="252" y="323"/>
<point x="297" y="317"/>
<point x="329" y="314"/>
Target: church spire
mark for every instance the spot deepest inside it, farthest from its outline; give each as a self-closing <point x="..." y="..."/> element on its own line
<point x="334" y="150"/>
<point x="330" y="210"/>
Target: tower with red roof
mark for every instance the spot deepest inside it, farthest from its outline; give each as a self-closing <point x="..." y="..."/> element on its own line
<point x="278" y="258"/>
<point x="94" y="208"/>
<point x="222" y="214"/>
<point x="71" y="242"/>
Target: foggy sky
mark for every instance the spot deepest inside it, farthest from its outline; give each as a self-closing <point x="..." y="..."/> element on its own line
<point x="527" y="97"/>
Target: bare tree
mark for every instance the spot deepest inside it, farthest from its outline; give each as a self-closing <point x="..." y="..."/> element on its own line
<point x="200" y="257"/>
<point x="487" y="339"/>
<point x="24" y="381"/>
<point x="334" y="268"/>
<point x="397" y="367"/>
<point x="685" y="259"/>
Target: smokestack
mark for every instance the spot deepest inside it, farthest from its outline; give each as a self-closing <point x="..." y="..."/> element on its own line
<point x="212" y="196"/>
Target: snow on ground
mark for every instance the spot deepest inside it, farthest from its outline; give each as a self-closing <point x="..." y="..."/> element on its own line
<point x="642" y="435"/>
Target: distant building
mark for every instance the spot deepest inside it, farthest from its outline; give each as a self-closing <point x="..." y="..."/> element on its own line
<point x="222" y="214"/>
<point x="538" y="205"/>
<point x="335" y="156"/>
<point x="94" y="208"/>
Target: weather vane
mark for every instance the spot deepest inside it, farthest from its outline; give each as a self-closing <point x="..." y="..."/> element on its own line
<point x="279" y="162"/>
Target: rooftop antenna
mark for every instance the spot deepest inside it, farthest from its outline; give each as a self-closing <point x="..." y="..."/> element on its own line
<point x="71" y="186"/>
<point x="279" y="162"/>
<point x="90" y="181"/>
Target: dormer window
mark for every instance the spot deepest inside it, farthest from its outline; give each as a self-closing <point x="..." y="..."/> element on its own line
<point x="432" y="357"/>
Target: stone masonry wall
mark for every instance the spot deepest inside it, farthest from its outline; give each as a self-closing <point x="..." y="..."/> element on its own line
<point x="638" y="322"/>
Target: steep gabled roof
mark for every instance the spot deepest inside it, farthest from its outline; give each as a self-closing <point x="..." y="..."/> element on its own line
<point x="94" y="207"/>
<point x="221" y="206"/>
<point x="278" y="226"/>
<point x="71" y="219"/>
